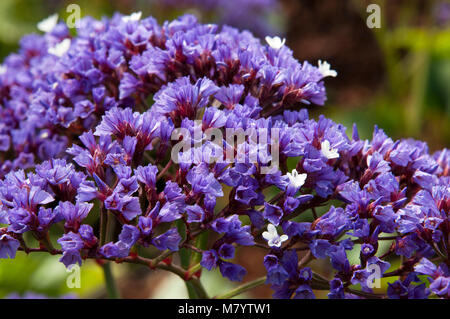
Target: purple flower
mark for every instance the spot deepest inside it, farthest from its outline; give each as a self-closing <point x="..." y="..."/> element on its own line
<point x="4" y="142"/>
<point x="111" y="250"/>
<point x="169" y="212"/>
<point x="147" y="175"/>
<point x="129" y="235"/>
<point x="130" y="207"/>
<point x="73" y="214"/>
<point x="273" y="213"/>
<point x="336" y="289"/>
<point x="406" y="290"/>
<point x="195" y="214"/>
<point x="441" y="286"/>
<point x="87" y="234"/>
<point x="226" y="251"/>
<point x="204" y="182"/>
<point x="169" y="240"/>
<point x="93" y="128"/>
<point x="8" y="246"/>
<point x="232" y="271"/>
<point x="209" y="259"/>
<point x="71" y="241"/>
<point x="71" y="245"/>
<point x="70" y="257"/>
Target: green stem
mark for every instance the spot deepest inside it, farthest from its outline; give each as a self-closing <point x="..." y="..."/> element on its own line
<point x="365" y="294"/>
<point x="164" y="170"/>
<point x="193" y="269"/>
<point x="185" y="257"/>
<point x="241" y="289"/>
<point x="151" y="263"/>
<point x="165" y="254"/>
<point x="191" y="290"/>
<point x="46" y="242"/>
<point x="193" y="282"/>
<point x="107" y="222"/>
<point x="306" y="259"/>
<point x="200" y="290"/>
<point x="110" y="284"/>
<point x="103" y="224"/>
<point x="110" y="228"/>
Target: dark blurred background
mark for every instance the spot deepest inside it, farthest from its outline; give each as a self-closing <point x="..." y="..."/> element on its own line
<point x="396" y="76"/>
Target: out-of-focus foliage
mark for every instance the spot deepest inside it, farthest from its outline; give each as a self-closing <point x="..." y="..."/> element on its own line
<point x="414" y="99"/>
<point x="43" y="274"/>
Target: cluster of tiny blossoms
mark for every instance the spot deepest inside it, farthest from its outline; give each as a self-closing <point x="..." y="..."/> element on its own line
<point x="86" y="135"/>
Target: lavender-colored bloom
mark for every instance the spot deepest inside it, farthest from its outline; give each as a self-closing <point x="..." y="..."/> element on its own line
<point x="73" y="214"/>
<point x="195" y="214"/>
<point x="336" y="289"/>
<point x="87" y="234"/>
<point x="439" y="277"/>
<point x="226" y="251"/>
<point x="204" y="182"/>
<point x="147" y="175"/>
<point x="71" y="245"/>
<point x="71" y="241"/>
<point x="232" y="271"/>
<point x="8" y="246"/>
<point x="4" y="142"/>
<point x="209" y="259"/>
<point x="110" y="250"/>
<point x="129" y="235"/>
<point x="130" y="207"/>
<point x="70" y="257"/>
<point x="273" y="213"/>
<point x="169" y="240"/>
<point x="116" y="91"/>
<point x="406" y="290"/>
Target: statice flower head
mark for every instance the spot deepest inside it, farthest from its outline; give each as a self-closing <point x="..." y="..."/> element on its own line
<point x="126" y="124"/>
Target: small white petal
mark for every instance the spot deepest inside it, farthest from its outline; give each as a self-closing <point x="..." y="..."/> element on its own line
<point x="2" y="69"/>
<point x="48" y="24"/>
<point x="273" y="240"/>
<point x="136" y="16"/>
<point x="272" y="229"/>
<point x="325" y="69"/>
<point x="44" y="135"/>
<point x="61" y="48"/>
<point x="296" y="179"/>
<point x="275" y="42"/>
<point x="327" y="151"/>
<point x="267" y="236"/>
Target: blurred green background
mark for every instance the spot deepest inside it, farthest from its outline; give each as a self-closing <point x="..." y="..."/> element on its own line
<point x="397" y="76"/>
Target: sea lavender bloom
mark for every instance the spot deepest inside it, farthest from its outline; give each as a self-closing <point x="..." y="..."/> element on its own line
<point x="8" y="246"/>
<point x="90" y="118"/>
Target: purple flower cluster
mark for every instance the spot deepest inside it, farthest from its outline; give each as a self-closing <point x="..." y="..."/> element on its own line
<point x="86" y="129"/>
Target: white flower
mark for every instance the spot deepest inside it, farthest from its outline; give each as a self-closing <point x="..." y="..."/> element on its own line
<point x="48" y="24"/>
<point x="271" y="235"/>
<point x="61" y="48"/>
<point x="136" y="16"/>
<point x="324" y="68"/>
<point x="2" y="69"/>
<point x="296" y="179"/>
<point x="275" y="42"/>
<point x="327" y="151"/>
